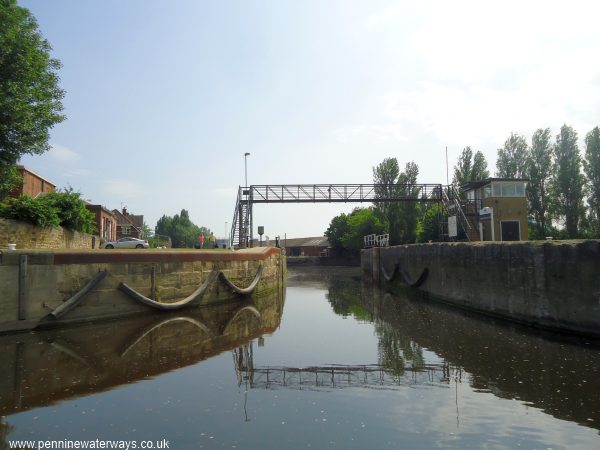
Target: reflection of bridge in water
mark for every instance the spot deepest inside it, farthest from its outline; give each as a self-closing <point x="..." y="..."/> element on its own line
<point x="339" y="376"/>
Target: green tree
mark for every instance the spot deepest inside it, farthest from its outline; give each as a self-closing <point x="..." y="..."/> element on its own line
<point x="538" y="172"/>
<point x="512" y="158"/>
<point x="464" y="167"/>
<point x="567" y="181"/>
<point x="591" y="166"/>
<point x="10" y="179"/>
<point x="480" y="170"/>
<point x="30" y="97"/>
<point x="346" y="231"/>
<point x="181" y="230"/>
<point x="406" y="232"/>
<point x="338" y="228"/>
<point x="470" y="167"/>
<point x="385" y="177"/>
<point x="430" y="223"/>
<point x="399" y="218"/>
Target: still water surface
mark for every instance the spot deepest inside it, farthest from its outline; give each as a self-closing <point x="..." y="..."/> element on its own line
<point x="337" y="364"/>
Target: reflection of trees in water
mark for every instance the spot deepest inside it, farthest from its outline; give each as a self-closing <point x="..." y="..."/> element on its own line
<point x="5" y="430"/>
<point x="344" y="297"/>
<point x="396" y="349"/>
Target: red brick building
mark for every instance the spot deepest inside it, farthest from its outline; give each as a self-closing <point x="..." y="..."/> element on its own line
<point x="311" y="246"/>
<point x="106" y="222"/>
<point x="129" y="225"/>
<point x="33" y="184"/>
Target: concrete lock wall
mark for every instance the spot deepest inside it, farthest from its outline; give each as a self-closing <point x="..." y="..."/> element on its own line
<point x="27" y="236"/>
<point x="28" y="294"/>
<point x="548" y="284"/>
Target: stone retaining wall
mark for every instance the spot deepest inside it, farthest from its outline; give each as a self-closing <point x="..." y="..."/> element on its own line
<point x="28" y="236"/>
<point x="547" y="284"/>
<point x="51" y="278"/>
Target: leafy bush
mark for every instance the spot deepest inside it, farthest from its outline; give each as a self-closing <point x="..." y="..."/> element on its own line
<point x="27" y="209"/>
<point x="65" y="209"/>
<point x="430" y="224"/>
<point x="72" y="211"/>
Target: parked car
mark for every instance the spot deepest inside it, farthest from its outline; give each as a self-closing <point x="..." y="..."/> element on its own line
<point x="127" y="242"/>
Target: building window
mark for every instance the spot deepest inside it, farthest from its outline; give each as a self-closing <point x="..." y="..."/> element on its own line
<point x="125" y="230"/>
<point x="506" y="189"/>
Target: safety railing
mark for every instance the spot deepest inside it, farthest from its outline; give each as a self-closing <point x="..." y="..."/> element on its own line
<point x="372" y="240"/>
<point x="290" y="193"/>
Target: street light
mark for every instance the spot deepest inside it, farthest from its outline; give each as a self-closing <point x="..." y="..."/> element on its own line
<point x="246" y="167"/>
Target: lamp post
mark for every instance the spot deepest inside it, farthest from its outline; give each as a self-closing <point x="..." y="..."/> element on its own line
<point x="246" y="168"/>
<point x="246" y="191"/>
<point x="226" y="236"/>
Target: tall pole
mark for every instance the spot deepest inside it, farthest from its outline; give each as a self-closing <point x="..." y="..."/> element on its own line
<point x="246" y="168"/>
<point x="447" y="177"/>
<point x="247" y="222"/>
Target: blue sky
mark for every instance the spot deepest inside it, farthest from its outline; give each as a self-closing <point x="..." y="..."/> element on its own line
<point x="163" y="98"/>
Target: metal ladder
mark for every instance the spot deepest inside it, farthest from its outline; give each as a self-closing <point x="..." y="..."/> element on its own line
<point x="452" y="205"/>
<point x="241" y="225"/>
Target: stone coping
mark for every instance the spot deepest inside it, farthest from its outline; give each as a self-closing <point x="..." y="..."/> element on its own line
<point x="59" y="257"/>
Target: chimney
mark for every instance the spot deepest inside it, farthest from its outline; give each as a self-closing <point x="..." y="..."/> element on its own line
<point x="124" y="210"/>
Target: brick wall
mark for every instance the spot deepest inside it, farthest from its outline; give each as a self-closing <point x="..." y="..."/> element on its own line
<point x="28" y="236"/>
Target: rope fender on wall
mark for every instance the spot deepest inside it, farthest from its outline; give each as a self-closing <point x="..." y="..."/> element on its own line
<point x="406" y="278"/>
<point x="197" y="294"/>
<point x="190" y="299"/>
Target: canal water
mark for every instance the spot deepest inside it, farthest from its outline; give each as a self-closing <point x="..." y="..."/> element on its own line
<point x="334" y="364"/>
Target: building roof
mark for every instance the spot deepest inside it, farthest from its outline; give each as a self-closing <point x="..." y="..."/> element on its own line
<point x="470" y="185"/>
<point x="25" y="169"/>
<point x="124" y="218"/>
<point x="103" y="208"/>
<point x="320" y="241"/>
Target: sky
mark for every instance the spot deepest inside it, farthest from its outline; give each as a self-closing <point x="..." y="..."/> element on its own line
<point x="163" y="98"/>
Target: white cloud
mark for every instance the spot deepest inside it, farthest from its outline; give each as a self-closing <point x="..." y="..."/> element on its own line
<point x="477" y="71"/>
<point x="225" y="192"/>
<point x="371" y="133"/>
<point x="63" y="154"/>
<point x="123" y="189"/>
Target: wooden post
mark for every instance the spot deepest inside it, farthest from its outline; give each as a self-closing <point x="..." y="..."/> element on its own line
<point x="153" y="283"/>
<point x="22" y="286"/>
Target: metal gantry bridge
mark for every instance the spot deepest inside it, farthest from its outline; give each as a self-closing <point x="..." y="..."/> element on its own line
<point x="242" y="230"/>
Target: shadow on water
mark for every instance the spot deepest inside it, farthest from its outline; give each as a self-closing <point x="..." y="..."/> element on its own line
<point x="558" y="375"/>
<point x="40" y="368"/>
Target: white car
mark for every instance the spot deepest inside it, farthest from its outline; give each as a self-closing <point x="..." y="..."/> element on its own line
<point x="127" y="242"/>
